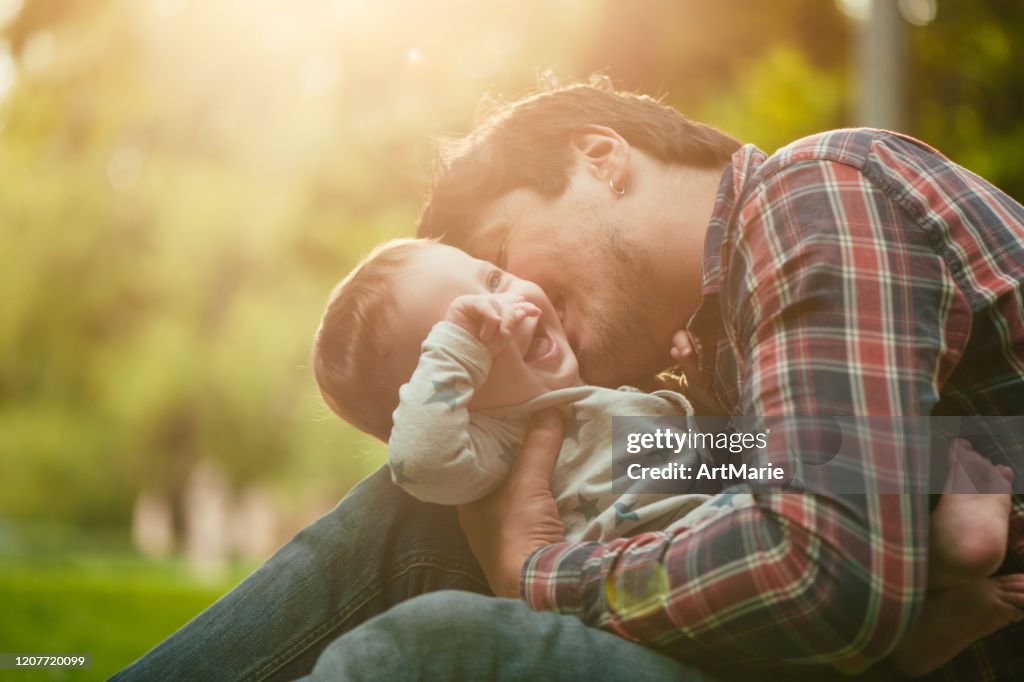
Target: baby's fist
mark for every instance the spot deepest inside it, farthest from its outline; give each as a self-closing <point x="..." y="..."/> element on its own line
<point x="491" y="318"/>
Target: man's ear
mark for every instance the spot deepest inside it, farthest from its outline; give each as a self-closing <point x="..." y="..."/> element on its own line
<point x="602" y="151"/>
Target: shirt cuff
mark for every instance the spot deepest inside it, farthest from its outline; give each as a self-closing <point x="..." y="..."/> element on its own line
<point x="455" y="340"/>
<point x="555" y="577"/>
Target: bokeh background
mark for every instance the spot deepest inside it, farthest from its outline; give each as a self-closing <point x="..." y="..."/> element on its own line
<point x="181" y="183"/>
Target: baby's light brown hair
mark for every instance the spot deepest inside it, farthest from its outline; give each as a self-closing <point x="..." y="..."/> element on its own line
<point x="354" y="343"/>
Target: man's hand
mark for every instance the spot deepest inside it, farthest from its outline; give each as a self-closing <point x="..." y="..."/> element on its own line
<point x="520" y="516"/>
<point x="490" y="317"/>
<point x="684" y="353"/>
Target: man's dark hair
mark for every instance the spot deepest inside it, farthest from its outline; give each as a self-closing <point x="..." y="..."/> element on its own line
<point x="526" y="143"/>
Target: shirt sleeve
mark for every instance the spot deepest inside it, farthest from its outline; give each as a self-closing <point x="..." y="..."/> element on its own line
<point x="835" y="304"/>
<point x="436" y="452"/>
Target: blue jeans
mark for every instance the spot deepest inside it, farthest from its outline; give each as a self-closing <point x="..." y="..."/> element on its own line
<point x="378" y="548"/>
<point x="463" y="636"/>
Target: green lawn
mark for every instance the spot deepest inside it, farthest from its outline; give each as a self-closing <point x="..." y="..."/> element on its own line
<point x="113" y="607"/>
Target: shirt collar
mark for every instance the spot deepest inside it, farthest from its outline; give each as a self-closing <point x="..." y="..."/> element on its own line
<point x="704" y="324"/>
<point x="744" y="164"/>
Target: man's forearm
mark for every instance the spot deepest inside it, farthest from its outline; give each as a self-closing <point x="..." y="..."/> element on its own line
<point x="754" y="586"/>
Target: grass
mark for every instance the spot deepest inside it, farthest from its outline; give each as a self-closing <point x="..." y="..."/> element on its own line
<point x="115" y="607"/>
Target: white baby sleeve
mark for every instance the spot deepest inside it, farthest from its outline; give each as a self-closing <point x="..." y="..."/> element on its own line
<point x="436" y="452"/>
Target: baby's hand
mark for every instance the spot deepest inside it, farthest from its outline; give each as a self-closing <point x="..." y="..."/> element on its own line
<point x="491" y="317"/>
<point x="684" y="353"/>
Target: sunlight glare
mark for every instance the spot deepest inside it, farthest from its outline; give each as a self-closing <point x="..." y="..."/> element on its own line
<point x="8" y="11"/>
<point x="124" y="167"/>
<point x="318" y="75"/>
<point x="8" y="70"/>
<point x="919" y="12"/>
<point x="38" y="52"/>
<point x="169" y="8"/>
<point x="858" y="10"/>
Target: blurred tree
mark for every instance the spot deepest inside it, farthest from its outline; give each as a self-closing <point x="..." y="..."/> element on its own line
<point x="696" y="50"/>
<point x="185" y="181"/>
<point x="967" y="87"/>
<point x="161" y="315"/>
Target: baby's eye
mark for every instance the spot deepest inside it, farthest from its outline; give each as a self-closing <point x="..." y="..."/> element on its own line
<point x="494" y="281"/>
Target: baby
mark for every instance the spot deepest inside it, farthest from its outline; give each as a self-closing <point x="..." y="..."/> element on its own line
<point x="494" y="353"/>
<point x="485" y="350"/>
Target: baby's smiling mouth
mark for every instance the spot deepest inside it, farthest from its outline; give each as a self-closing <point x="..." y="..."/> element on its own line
<point x="541" y="344"/>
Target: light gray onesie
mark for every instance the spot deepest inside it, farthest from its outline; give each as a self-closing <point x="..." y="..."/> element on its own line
<point x="441" y="452"/>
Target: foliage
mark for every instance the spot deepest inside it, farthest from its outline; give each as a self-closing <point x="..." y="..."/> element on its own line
<point x="183" y="183"/>
<point x="967" y="88"/>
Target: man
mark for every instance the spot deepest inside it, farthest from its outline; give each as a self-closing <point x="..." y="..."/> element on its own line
<point x="855" y="273"/>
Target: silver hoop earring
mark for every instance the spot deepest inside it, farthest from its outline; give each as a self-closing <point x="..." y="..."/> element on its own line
<point x="619" y="191"/>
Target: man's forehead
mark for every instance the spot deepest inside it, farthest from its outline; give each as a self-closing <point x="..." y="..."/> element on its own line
<point x="498" y="222"/>
<point x="490" y="237"/>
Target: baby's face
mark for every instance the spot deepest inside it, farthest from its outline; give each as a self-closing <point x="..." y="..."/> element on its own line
<point x="538" y="358"/>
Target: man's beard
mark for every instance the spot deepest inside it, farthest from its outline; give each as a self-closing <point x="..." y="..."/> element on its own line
<point x="622" y="355"/>
<point x="625" y="349"/>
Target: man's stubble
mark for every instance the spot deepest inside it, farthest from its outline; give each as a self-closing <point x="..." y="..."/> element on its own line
<point x="626" y="319"/>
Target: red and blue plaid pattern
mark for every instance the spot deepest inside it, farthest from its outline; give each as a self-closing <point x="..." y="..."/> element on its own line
<point x="856" y="272"/>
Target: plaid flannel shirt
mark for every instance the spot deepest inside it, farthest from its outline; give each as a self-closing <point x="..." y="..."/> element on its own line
<point x="856" y="272"/>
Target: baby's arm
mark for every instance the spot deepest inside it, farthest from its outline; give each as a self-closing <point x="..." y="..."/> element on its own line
<point x="435" y="452"/>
